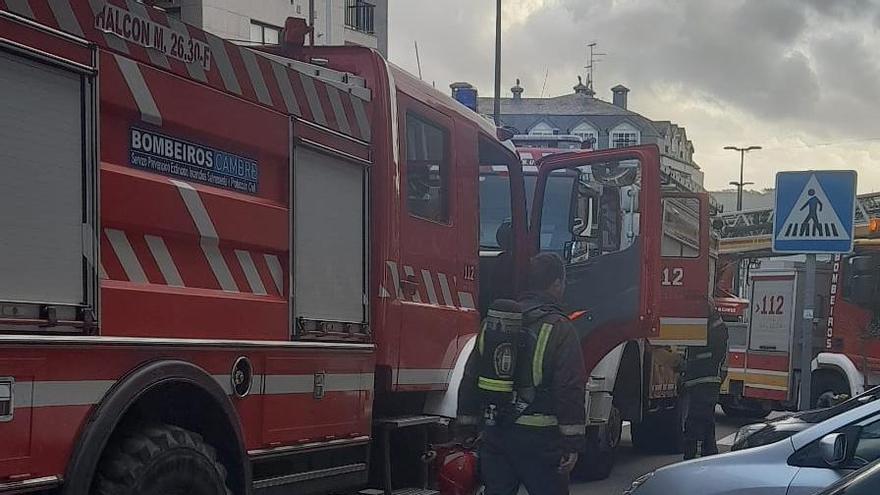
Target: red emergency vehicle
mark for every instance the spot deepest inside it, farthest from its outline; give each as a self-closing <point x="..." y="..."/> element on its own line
<point x="233" y="269"/>
<point x="764" y="359"/>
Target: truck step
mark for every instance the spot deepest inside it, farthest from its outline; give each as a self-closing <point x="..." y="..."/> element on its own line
<point x="400" y="491"/>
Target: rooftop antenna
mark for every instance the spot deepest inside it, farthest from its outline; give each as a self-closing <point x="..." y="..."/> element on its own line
<point x="591" y="64"/>
<point x="546" y="73"/>
<point x="418" y="61"/>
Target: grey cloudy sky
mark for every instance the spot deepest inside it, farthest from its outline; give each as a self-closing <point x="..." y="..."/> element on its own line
<point x="799" y="77"/>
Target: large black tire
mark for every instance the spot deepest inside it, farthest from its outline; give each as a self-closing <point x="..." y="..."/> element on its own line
<point x="745" y="412"/>
<point x="160" y="459"/>
<point x="826" y="386"/>
<point x="661" y="432"/>
<point x="598" y="458"/>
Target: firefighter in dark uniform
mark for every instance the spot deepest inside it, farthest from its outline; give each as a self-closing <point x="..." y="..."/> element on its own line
<point x="704" y="372"/>
<point x="532" y="438"/>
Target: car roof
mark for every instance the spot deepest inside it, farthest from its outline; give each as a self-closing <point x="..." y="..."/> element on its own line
<point x="833" y="423"/>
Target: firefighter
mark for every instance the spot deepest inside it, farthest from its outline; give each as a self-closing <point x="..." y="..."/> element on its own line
<point x="534" y="438"/>
<point x="703" y="374"/>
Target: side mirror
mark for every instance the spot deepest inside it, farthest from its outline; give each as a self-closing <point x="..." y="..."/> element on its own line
<point x="833" y="449"/>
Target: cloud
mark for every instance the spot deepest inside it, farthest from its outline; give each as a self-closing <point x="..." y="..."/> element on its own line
<point x="787" y="74"/>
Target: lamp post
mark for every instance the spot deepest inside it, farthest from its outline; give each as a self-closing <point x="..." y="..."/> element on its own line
<point x="739" y="185"/>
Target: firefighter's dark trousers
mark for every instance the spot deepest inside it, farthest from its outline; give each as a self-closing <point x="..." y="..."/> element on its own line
<point x="699" y="424"/>
<point x="514" y="455"/>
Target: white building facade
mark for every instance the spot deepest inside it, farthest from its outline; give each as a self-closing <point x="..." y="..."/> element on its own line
<point x="337" y="22"/>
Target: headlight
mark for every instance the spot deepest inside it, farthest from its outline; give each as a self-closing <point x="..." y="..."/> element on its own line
<point x="637" y="483"/>
<point x="745" y="432"/>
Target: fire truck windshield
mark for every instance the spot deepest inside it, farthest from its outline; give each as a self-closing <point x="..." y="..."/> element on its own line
<point x="495" y="209"/>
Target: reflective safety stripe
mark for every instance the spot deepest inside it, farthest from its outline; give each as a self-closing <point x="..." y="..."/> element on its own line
<point x="538" y="358"/>
<point x="573" y="429"/>
<point x="493" y="385"/>
<point x="541" y="420"/>
<point x="703" y="355"/>
<point x="702" y="379"/>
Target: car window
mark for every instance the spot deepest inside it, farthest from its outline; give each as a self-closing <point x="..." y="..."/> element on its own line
<point x="863" y="482"/>
<point x="867" y="448"/>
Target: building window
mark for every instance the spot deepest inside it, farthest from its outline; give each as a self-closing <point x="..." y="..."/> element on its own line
<point x="359" y="15"/>
<point x="265" y="34"/>
<point x="541" y="129"/>
<point x="624" y="135"/>
<point x="587" y="133"/>
<point x="426" y="169"/>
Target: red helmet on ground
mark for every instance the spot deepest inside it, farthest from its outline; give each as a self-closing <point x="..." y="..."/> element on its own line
<point x="458" y="472"/>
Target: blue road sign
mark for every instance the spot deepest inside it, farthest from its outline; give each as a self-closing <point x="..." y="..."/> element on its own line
<point x="814" y="211"/>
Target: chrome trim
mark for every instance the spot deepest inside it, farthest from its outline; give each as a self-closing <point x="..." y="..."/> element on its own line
<point x="149" y="341"/>
<point x="310" y="475"/>
<point x="46" y="57"/>
<point x="31" y="485"/>
<point x="260" y="454"/>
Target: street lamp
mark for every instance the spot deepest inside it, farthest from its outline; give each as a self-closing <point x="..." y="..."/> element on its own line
<point x="739" y="185"/>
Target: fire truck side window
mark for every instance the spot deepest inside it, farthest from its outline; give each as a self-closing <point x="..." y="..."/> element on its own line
<point x="681" y="227"/>
<point x="426" y="169"/>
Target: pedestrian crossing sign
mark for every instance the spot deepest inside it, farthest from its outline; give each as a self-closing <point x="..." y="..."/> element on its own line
<point x="814" y="211"/>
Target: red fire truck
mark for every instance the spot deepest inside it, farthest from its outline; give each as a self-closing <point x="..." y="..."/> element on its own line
<point x="637" y="380"/>
<point x="764" y="360"/>
<point x="233" y="270"/>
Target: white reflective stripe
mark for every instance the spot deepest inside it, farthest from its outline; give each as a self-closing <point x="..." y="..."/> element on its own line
<point x="467" y="300"/>
<point x="113" y="41"/>
<point x="250" y="272"/>
<point x="218" y="265"/>
<point x="383" y="293"/>
<point x="276" y="271"/>
<point x="60" y="393"/>
<point x="308" y="85"/>
<point x="289" y="384"/>
<point x="102" y="272"/>
<point x="348" y="382"/>
<point x="444" y="289"/>
<point x="221" y="60"/>
<point x="411" y="274"/>
<point x="156" y="57"/>
<point x="499" y="168"/>
<point x="429" y="285"/>
<point x="525" y="155"/>
<point x="360" y="114"/>
<point x="209" y="241"/>
<point x="253" y="70"/>
<point x="163" y="259"/>
<point x="395" y="276"/>
<point x="530" y="168"/>
<point x="225" y="382"/>
<point x="703" y="355"/>
<point x="282" y="78"/>
<point x="124" y="252"/>
<point x="20" y="7"/>
<point x="139" y="90"/>
<point x="196" y="209"/>
<point x="66" y="18"/>
<point x="573" y="429"/>
<point x="195" y="69"/>
<point x="420" y="376"/>
<point x="338" y="109"/>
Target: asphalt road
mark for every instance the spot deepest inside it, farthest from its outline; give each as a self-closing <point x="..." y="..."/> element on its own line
<point x="631" y="463"/>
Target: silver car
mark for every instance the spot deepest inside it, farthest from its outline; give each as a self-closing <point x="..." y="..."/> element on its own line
<point x="802" y="464"/>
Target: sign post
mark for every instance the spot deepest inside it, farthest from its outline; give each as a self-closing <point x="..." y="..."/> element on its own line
<point x="814" y="213"/>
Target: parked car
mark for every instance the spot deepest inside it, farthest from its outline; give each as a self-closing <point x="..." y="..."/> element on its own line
<point x="802" y="464"/>
<point x="865" y="481"/>
<point x="773" y="430"/>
